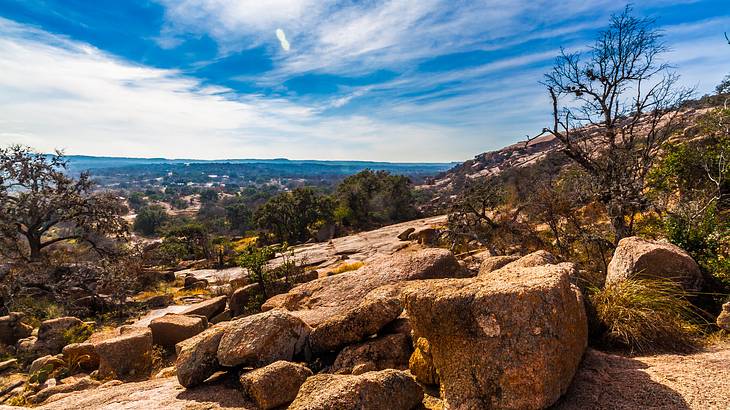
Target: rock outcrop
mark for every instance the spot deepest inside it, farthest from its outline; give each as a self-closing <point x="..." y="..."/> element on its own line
<point x="274" y="385"/>
<point x="723" y="320"/>
<point x="641" y="258"/>
<point x="51" y="334"/>
<point x="510" y="339"/>
<point x="493" y="263"/>
<point x="379" y="307"/>
<point x="127" y="356"/>
<point x="171" y="329"/>
<point x="208" y="308"/>
<point x="384" y="390"/>
<point x="421" y="363"/>
<point x="261" y="339"/>
<point x="83" y="353"/>
<point x="386" y="352"/>
<point x="13" y="329"/>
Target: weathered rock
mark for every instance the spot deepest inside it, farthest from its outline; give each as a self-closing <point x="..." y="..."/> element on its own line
<point x="208" y="308"/>
<point x="26" y="347"/>
<point x="537" y="258"/>
<point x="261" y="339"/>
<point x="421" y="363"/>
<point x="42" y="362"/>
<point x="400" y="325"/>
<point x="158" y="301"/>
<point x="425" y="236"/>
<point x="128" y="356"/>
<point x="8" y="364"/>
<point x="386" y="352"/>
<point x="380" y="307"/>
<point x="512" y="340"/>
<point x="171" y="329"/>
<point x="198" y="284"/>
<point x="403" y="236"/>
<point x="493" y="263"/>
<point x="77" y="385"/>
<point x="384" y="390"/>
<point x="242" y="299"/>
<point x="13" y="329"/>
<point x="83" y="352"/>
<point x="316" y="301"/>
<point x="51" y="334"/>
<point x="224" y="316"/>
<point x="274" y="385"/>
<point x="637" y="257"/>
<point x="197" y="357"/>
<point x="723" y="320"/>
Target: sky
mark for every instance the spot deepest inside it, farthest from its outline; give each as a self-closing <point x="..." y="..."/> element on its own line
<point x="401" y="80"/>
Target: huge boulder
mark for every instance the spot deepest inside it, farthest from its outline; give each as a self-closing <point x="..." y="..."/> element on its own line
<point x="52" y="334"/>
<point x="378" y="308"/>
<point x="384" y="390"/>
<point x="274" y="385"/>
<point x="512" y="340"/>
<point x="197" y="357"/>
<point x="316" y="301"/>
<point x="13" y="329"/>
<point x="208" y="308"/>
<point x="537" y="258"/>
<point x="641" y="258"/>
<point x="127" y="356"/>
<point x="242" y="300"/>
<point x="723" y="320"/>
<point x="492" y="263"/>
<point x="82" y="353"/>
<point x="171" y="329"/>
<point x="386" y="352"/>
<point x="261" y="339"/>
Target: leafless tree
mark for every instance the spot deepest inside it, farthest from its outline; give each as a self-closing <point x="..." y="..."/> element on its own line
<point x="40" y="205"/>
<point x="613" y="107"/>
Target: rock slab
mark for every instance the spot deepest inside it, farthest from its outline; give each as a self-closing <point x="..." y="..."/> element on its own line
<point x="274" y="385"/>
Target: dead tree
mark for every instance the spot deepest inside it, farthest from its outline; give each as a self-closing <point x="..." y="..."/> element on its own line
<point x="613" y="108"/>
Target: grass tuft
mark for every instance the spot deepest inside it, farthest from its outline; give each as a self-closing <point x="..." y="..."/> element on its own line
<point x="648" y="315"/>
<point x="346" y="267"/>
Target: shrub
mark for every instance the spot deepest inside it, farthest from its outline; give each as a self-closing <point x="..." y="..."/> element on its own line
<point x="78" y="334"/>
<point x="647" y="314"/>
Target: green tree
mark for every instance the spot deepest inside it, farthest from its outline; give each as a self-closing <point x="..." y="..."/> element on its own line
<point x="40" y="205"/>
<point x="254" y="260"/>
<point x="150" y="219"/>
<point x="292" y="216"/>
<point x="193" y="236"/>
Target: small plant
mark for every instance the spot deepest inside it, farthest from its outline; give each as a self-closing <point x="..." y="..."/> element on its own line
<point x="647" y="315"/>
<point x="78" y="334"/>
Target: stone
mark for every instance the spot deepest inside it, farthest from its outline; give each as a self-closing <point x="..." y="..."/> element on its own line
<point x="378" y="308"/>
<point x="274" y="385"/>
<point x="723" y="320"/>
<point x="421" y="363"/>
<point x="386" y="352"/>
<point x="537" y="258"/>
<point x="51" y="334"/>
<point x="208" y="308"/>
<point x="323" y="298"/>
<point x="492" y="263"/>
<point x="425" y="236"/>
<point x="198" y="284"/>
<point x="635" y="257"/>
<point x="264" y="338"/>
<point x="26" y="347"/>
<point x="127" y="356"/>
<point x="197" y="357"/>
<point x="403" y="236"/>
<point x="171" y="329"/>
<point x="13" y="329"/>
<point x="77" y="385"/>
<point x="8" y="364"/>
<point x="158" y="301"/>
<point x="508" y="340"/>
<point x="384" y="390"/>
<point x="78" y="351"/>
<point x="224" y="316"/>
<point x="399" y="325"/>
<point x="44" y="361"/>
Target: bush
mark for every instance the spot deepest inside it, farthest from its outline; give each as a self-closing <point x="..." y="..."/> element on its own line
<point x="149" y="219"/>
<point x="647" y="315"/>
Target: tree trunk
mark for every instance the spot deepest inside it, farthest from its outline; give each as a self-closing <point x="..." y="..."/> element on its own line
<point x="620" y="228"/>
<point x="34" y="243"/>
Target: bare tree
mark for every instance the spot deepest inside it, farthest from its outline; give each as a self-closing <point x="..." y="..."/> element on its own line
<point x="40" y="205"/>
<point x="613" y="108"/>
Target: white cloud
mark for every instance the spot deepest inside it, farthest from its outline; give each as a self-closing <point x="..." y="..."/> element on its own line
<point x="282" y="39"/>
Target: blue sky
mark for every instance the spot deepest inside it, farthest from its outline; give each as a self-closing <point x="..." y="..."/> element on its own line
<point x="404" y="80"/>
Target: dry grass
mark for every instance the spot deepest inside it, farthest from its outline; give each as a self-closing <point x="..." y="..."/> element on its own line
<point x="346" y="267"/>
<point x="181" y="293"/>
<point x="648" y="315"/>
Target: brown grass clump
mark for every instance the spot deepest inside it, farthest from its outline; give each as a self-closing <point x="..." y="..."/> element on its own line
<point x="648" y="315"/>
<point x="346" y="267"/>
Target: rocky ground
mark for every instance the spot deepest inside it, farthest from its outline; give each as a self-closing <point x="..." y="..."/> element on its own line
<point x="412" y="327"/>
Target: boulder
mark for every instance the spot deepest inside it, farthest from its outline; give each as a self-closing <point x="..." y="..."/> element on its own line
<point x="208" y="308"/>
<point x="8" y="364"/>
<point x="82" y="353"/>
<point x="274" y="385"/>
<point x="493" y="263"/>
<point x="537" y="258"/>
<point x="261" y="339"/>
<point x="379" y="307"/>
<point x="421" y="363"/>
<point x="512" y="340"/>
<point x="198" y="284"/>
<point x="51" y="334"/>
<point x="171" y="329"/>
<point x="386" y="352"/>
<point x="384" y="390"/>
<point x="197" y="357"/>
<point x="127" y="356"/>
<point x="399" y="325"/>
<point x="13" y="329"/>
<point x="723" y="320"/>
<point x="158" y="301"/>
<point x="243" y="299"/>
<point x="44" y="361"/>
<point x="641" y="258"/>
<point x="224" y="316"/>
<point x="425" y="236"/>
<point x="83" y="383"/>
<point x="320" y="299"/>
<point x="403" y="236"/>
